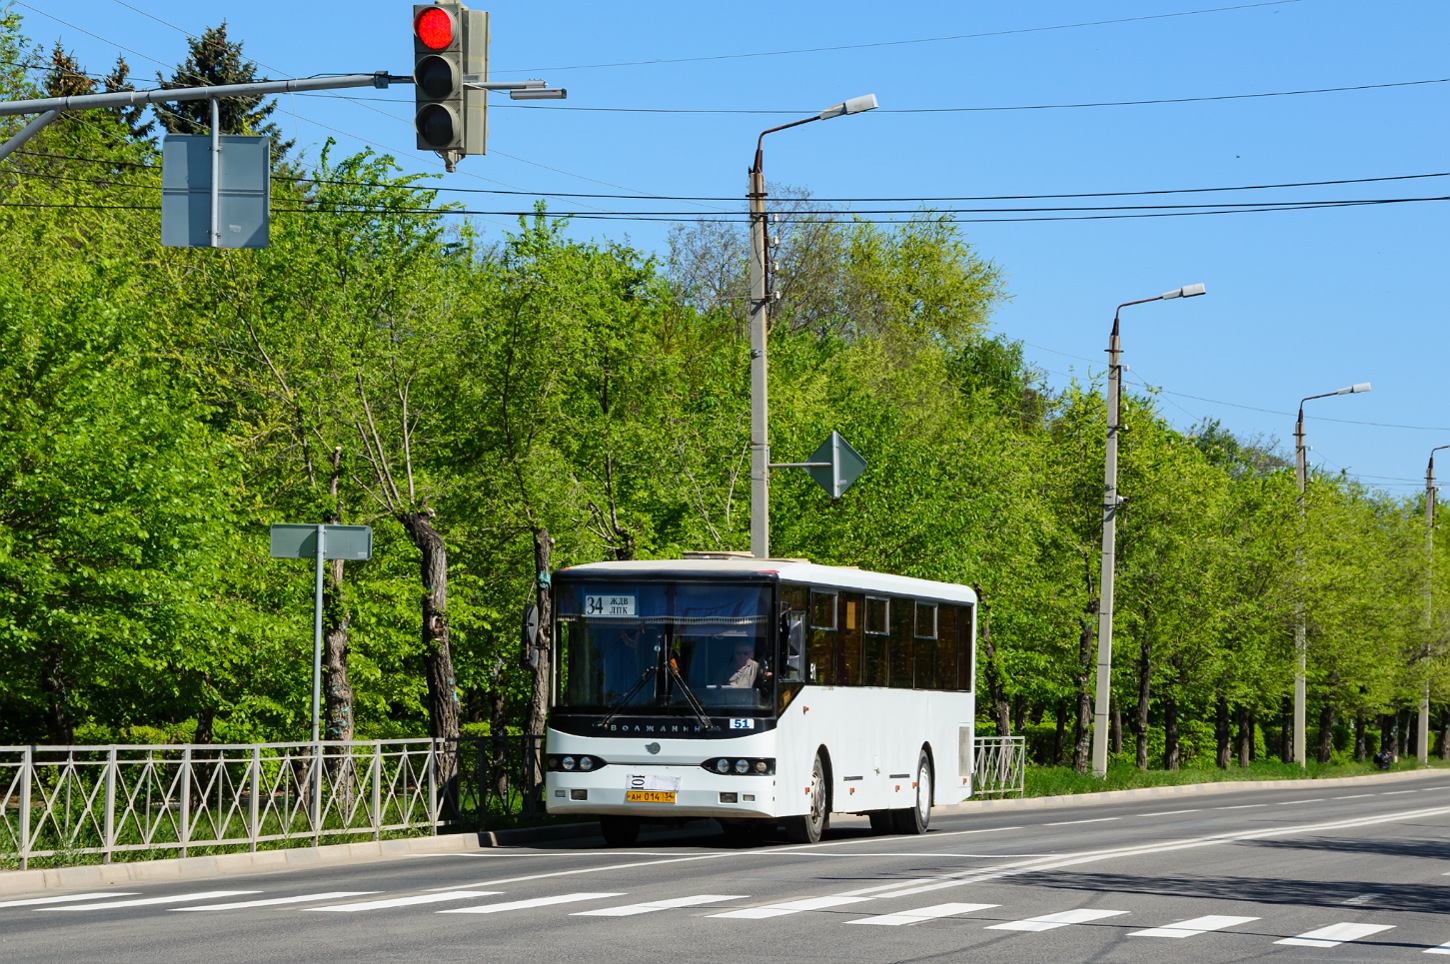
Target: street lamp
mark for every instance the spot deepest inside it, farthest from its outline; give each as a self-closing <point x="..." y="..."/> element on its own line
<point x="1301" y="475"/>
<point x="760" y="297"/>
<point x="1422" y="732"/>
<point x="1110" y="517"/>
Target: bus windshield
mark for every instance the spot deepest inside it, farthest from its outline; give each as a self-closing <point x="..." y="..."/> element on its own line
<point x="664" y="648"/>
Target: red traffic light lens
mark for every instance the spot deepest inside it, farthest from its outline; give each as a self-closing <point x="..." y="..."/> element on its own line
<point x="434" y="28"/>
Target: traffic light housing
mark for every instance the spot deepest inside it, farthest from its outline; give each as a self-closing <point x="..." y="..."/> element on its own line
<point x="450" y="48"/>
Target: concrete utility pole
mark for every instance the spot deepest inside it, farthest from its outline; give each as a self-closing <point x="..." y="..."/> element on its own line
<point x="760" y="298"/>
<point x="1301" y="476"/>
<point x="1422" y="731"/>
<point x="1111" y="501"/>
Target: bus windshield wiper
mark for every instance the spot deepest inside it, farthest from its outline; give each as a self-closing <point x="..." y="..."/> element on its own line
<point x="690" y="699"/>
<point x="629" y="694"/>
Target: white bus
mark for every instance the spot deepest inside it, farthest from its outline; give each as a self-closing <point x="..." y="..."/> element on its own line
<point x="759" y="692"/>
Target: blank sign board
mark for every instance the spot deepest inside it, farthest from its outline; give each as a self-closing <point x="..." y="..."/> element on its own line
<point x="339" y="542"/>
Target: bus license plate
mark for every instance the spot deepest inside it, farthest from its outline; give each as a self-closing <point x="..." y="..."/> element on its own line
<point x="649" y="796"/>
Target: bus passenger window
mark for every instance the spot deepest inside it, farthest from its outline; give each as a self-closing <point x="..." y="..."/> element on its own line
<point x="946" y="648"/>
<point x="874" y="663"/>
<point x="823" y="638"/>
<point x="925" y="644"/>
<point x="966" y="648"/>
<point x="902" y="665"/>
<point x="848" y="649"/>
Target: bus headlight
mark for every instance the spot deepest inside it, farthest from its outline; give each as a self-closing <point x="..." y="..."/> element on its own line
<point x="722" y="765"/>
<point x="742" y="766"/>
<point x="586" y="763"/>
<point x="745" y="766"/>
<point x="567" y="763"/>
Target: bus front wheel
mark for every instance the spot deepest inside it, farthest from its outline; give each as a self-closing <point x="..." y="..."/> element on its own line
<point x="619" y="831"/>
<point x="916" y="819"/>
<point x="807" y="827"/>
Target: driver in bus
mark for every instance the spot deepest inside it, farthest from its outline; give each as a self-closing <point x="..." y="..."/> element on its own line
<point x="743" y="668"/>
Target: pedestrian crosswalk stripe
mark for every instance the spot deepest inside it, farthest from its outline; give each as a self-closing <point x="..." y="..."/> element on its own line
<point x="934" y="912"/>
<point x="629" y="910"/>
<point x="276" y="901"/>
<point x="523" y="904"/>
<point x="1198" y="925"/>
<point x="1335" y="934"/>
<point x="1048" y="921"/>
<point x="389" y="902"/>
<point x="147" y="901"/>
<point x="38" y="901"/>
<point x="791" y="907"/>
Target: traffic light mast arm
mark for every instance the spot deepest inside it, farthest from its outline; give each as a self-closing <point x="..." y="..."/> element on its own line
<point x="123" y="98"/>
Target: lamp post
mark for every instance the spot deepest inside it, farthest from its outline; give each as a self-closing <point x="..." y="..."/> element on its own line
<point x="1422" y="731"/>
<point x="1111" y="502"/>
<point x="1301" y="476"/>
<point x="759" y="300"/>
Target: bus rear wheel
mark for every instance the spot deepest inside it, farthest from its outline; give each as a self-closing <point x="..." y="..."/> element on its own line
<point x="619" y="831"/>
<point x="807" y="828"/>
<point x="914" y="820"/>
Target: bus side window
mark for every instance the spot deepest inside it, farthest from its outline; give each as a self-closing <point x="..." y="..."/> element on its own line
<point x="946" y="648"/>
<point x="792" y="645"/>
<point x="848" y="650"/>
<point x="926" y="643"/>
<point x="966" y="648"/>
<point x="823" y="638"/>
<point x="902" y="664"/>
<point x="875" y="644"/>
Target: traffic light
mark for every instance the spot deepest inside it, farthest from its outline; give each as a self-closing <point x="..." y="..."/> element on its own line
<point x="450" y="47"/>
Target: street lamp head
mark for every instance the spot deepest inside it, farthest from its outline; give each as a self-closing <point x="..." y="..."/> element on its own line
<point x="1354" y="389"/>
<point x="853" y="106"/>
<point x="1187" y="291"/>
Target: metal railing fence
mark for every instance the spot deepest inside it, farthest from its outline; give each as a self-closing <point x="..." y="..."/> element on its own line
<point x="63" y="804"/>
<point x="1001" y="765"/>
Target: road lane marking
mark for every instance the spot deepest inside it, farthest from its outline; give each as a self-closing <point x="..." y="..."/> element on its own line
<point x="1355" y="796"/>
<point x="935" y="912"/>
<point x="149" y="901"/>
<point x="791" y="907"/>
<point x="1361" y="899"/>
<point x="1395" y="793"/>
<point x="1335" y="934"/>
<point x="960" y="878"/>
<point x="413" y="900"/>
<point x="1170" y="813"/>
<point x="1069" y="823"/>
<point x="277" y="901"/>
<point x="1442" y="949"/>
<point x="1191" y="928"/>
<point x="649" y="906"/>
<point x="1286" y="803"/>
<point x="36" y="901"/>
<point x="1048" y="922"/>
<point x="525" y="904"/>
<point x="1242" y="806"/>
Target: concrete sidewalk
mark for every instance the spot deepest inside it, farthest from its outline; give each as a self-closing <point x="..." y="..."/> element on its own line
<point x="15" y="883"/>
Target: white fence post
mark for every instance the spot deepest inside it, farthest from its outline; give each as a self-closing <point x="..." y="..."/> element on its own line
<point x="109" y="833"/>
<point x="254" y="804"/>
<point x="185" y="828"/>
<point x="377" y="769"/>
<point x="27" y="757"/>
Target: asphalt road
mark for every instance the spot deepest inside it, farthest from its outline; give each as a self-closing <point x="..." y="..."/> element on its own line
<point x="1315" y="872"/>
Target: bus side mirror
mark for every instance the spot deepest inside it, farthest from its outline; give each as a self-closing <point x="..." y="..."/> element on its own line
<point x="531" y="635"/>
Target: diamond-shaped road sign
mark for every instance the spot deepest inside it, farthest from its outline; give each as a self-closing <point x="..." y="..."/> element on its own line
<point x="835" y="465"/>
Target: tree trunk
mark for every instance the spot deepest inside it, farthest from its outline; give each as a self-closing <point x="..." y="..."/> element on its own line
<point x="1115" y="732"/>
<point x="1246" y="736"/>
<point x="1286" y="744"/>
<point x="538" y="713"/>
<point x="1170" y="733"/>
<point x="1145" y="686"/>
<point x="1326" y="732"/>
<point x="1445" y="736"/>
<point x="996" y="698"/>
<point x="1388" y="734"/>
<point x="1223" y="734"/>
<point x="1083" y="733"/>
<point x="1057" y="741"/>
<point x="59" y="722"/>
<point x="337" y="695"/>
<point x="443" y="707"/>
<point x="1361" y="745"/>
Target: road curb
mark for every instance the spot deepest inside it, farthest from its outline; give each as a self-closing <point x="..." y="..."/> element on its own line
<point x="23" y="882"/>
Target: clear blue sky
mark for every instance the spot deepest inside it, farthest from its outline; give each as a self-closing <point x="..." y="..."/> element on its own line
<point x="981" y="100"/>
